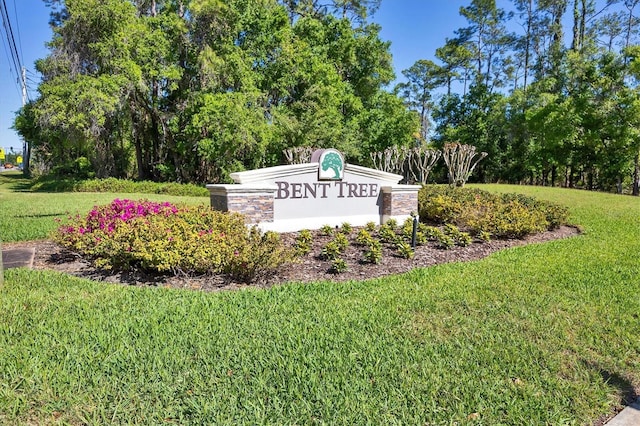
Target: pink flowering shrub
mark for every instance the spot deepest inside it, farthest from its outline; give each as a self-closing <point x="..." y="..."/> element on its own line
<point x="129" y="234"/>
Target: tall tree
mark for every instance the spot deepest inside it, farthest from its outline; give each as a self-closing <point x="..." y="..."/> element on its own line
<point x="423" y="78"/>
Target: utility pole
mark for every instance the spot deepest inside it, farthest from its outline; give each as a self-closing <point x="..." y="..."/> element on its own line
<point x="26" y="152"/>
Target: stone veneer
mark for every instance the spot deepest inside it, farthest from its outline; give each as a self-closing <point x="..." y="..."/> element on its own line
<point x="398" y="202"/>
<point x="256" y="203"/>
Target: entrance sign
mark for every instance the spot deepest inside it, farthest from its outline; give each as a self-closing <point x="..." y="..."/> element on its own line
<point x="326" y="191"/>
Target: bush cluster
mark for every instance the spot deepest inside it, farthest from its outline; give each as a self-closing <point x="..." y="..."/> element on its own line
<point x="55" y="183"/>
<point x="162" y="237"/>
<point x="489" y="215"/>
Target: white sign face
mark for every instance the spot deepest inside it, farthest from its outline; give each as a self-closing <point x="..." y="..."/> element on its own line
<point x="326" y="191"/>
<point x="306" y="196"/>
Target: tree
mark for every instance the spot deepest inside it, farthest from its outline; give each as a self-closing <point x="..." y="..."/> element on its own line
<point x="488" y="39"/>
<point x="461" y="160"/>
<point x="195" y="90"/>
<point x="422" y="78"/>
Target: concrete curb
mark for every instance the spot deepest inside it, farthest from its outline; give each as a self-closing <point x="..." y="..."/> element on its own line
<point x="630" y="416"/>
<point x="18" y="258"/>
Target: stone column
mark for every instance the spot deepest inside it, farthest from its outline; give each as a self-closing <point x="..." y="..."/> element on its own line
<point x="253" y="201"/>
<point x="399" y="202"/>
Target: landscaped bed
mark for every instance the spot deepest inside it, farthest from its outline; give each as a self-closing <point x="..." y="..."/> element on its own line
<point x="162" y="244"/>
<point x="308" y="268"/>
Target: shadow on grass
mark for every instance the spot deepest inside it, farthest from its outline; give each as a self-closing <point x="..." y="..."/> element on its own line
<point x="628" y="392"/>
<point x="17" y="182"/>
<point x="40" y="215"/>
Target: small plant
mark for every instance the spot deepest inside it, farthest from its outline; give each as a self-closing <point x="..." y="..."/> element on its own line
<point x="364" y="237"/>
<point x="338" y="266"/>
<point x="421" y="238"/>
<point x="392" y="223"/>
<point x="463" y="239"/>
<point x="346" y="228"/>
<point x="331" y="251"/>
<point x="446" y="242"/>
<point x="303" y="242"/>
<point x="408" y="223"/>
<point x="326" y="230"/>
<point x="341" y="241"/>
<point x="431" y="233"/>
<point x="387" y="234"/>
<point x="373" y="253"/>
<point x="370" y="226"/>
<point x="404" y="250"/>
<point x="484" y="236"/>
<point x="407" y="232"/>
<point x="460" y="238"/>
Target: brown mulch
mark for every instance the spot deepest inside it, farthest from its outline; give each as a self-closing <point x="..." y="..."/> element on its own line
<point x="50" y="256"/>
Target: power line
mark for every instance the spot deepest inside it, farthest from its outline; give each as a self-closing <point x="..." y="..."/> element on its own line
<point x="12" y="47"/>
<point x="11" y="72"/>
<point x="10" y="37"/>
<point x="15" y="13"/>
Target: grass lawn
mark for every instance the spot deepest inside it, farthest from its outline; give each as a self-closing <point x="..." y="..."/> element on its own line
<point x="26" y="215"/>
<point x="541" y="334"/>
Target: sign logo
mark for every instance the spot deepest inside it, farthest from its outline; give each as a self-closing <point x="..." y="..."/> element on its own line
<point x="331" y="165"/>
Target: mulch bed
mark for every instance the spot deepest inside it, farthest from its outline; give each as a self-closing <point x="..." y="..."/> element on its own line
<point x="50" y="256"/>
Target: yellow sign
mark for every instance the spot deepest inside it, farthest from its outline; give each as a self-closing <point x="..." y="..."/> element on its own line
<point x="19" y="159"/>
<point x="1" y="154"/>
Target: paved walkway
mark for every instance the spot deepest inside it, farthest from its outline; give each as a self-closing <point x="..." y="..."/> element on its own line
<point x="18" y="258"/>
<point x="630" y="416"/>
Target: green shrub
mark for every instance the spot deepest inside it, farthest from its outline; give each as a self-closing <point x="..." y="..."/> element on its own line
<point x="303" y="242"/>
<point x="326" y="230"/>
<point x="370" y="226"/>
<point x="445" y="242"/>
<point x="346" y="228"/>
<point x="387" y="234"/>
<point x="503" y="216"/>
<point x="331" y="250"/>
<point x="341" y="241"/>
<point x="163" y="237"/>
<point x="54" y="183"/>
<point x="404" y="250"/>
<point x="431" y="233"/>
<point x="338" y="266"/>
<point x="364" y="237"/>
<point x="460" y="238"/>
<point x="257" y="256"/>
<point x="511" y="220"/>
<point x="484" y="236"/>
<point x="373" y="253"/>
<point x="392" y="223"/>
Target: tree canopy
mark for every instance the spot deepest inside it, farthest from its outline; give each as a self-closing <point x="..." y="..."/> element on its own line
<point x="545" y="112"/>
<point x="194" y="90"/>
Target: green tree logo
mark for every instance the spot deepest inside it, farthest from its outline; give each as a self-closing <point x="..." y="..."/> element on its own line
<point x="333" y="161"/>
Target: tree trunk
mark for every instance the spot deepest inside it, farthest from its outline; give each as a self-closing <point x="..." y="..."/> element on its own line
<point x="575" y="43"/>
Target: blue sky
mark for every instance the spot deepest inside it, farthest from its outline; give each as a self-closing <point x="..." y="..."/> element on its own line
<point x="415" y="29"/>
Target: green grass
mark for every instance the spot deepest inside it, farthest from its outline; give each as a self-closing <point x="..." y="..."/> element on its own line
<point x="540" y="334"/>
<point x="27" y="215"/>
